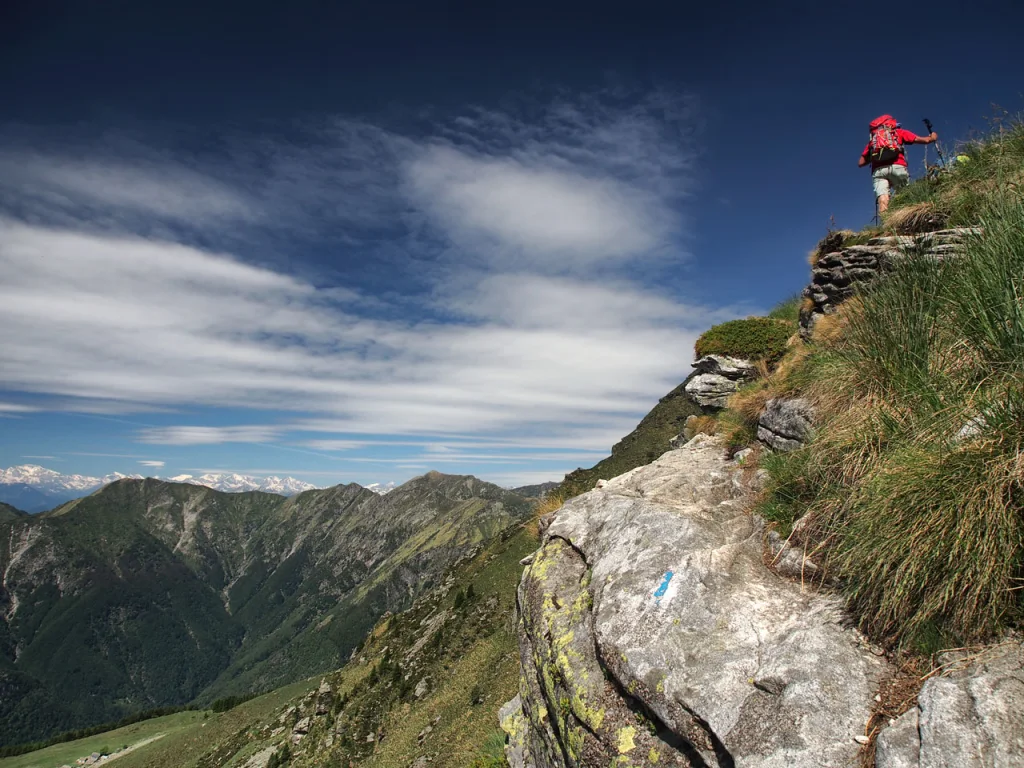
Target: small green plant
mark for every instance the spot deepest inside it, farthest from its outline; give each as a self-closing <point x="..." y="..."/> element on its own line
<point x="753" y="338"/>
<point x="491" y="753"/>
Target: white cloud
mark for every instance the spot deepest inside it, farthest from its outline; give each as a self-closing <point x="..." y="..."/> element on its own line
<point x="533" y="212"/>
<point x="154" y="464"/>
<point x="16" y="408"/>
<point x="584" y="182"/>
<point x="206" y="435"/>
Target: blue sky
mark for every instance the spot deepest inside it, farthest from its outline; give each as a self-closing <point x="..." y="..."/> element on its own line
<point x="353" y="242"/>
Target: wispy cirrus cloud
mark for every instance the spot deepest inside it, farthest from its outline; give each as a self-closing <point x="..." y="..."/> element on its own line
<point x="153" y="464"/>
<point x="145" y="187"/>
<point x="511" y="307"/>
<point x="198" y="435"/>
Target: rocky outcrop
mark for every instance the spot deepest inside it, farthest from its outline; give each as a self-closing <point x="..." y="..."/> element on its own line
<point x="652" y="633"/>
<point x="972" y="717"/>
<point x="716" y="377"/>
<point x="836" y="274"/>
<point x="786" y="423"/>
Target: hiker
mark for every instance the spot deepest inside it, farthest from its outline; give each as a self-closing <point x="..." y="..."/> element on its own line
<point x="885" y="151"/>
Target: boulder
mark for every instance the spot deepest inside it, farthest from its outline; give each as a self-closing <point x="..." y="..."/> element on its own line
<point x="709" y="390"/>
<point x="652" y="633"/>
<point x="786" y="423"/>
<point x="716" y="378"/>
<point x="972" y="717"/>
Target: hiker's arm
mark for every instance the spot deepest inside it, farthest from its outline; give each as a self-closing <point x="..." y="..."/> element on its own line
<point x="933" y="137"/>
<point x="862" y="161"/>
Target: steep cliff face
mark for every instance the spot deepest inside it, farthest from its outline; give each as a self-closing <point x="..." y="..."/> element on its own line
<point x="652" y="633"/>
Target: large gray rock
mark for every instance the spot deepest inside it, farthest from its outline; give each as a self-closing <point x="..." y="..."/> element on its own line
<point x="709" y="390"/>
<point x="786" y="423"/>
<point x="652" y="633"/>
<point x="716" y="378"/>
<point x="972" y="717"/>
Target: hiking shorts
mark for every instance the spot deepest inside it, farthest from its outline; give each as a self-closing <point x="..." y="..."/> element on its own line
<point x="889" y="178"/>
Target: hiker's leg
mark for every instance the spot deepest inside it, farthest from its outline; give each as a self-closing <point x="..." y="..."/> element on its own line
<point x="880" y="183"/>
<point x="898" y="178"/>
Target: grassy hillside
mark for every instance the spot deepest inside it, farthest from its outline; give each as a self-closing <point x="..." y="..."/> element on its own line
<point x="147" y="593"/>
<point x="912" y="491"/>
<point x="459" y="640"/>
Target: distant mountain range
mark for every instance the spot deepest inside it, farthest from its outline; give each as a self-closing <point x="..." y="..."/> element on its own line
<point x="33" y="488"/>
<point x="150" y="593"/>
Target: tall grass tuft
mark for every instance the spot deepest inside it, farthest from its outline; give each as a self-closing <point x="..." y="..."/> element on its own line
<point x="915" y="483"/>
<point x="491" y="753"/>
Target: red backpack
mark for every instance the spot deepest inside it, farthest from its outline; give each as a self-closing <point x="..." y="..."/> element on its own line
<point x="885" y="145"/>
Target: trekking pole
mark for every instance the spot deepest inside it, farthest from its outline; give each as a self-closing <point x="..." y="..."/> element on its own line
<point x="928" y="125"/>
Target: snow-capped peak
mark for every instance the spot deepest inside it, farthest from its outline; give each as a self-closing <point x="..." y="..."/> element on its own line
<point x="231" y="482"/>
<point x="51" y="481"/>
<point x="381" y="488"/>
<point x="54" y="483"/>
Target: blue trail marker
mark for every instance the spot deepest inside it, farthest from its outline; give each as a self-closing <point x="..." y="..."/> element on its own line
<point x="662" y="588"/>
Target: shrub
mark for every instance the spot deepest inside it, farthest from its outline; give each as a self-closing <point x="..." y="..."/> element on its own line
<point x="754" y="338"/>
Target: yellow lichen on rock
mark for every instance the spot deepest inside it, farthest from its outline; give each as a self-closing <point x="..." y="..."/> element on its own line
<point x="626" y="743"/>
